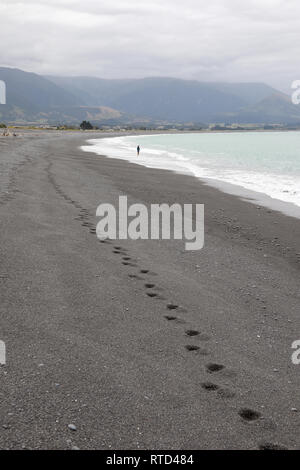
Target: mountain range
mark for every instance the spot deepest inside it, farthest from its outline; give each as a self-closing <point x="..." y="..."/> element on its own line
<point x="33" y="98"/>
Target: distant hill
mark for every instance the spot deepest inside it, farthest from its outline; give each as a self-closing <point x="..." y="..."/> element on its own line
<point x="250" y="93"/>
<point x="34" y="98"/>
<point x="155" y="98"/>
<point x="274" y="108"/>
<point x="175" y="100"/>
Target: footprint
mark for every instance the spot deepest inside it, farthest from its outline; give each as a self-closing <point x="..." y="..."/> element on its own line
<point x="192" y="333"/>
<point x="174" y="319"/>
<point x="126" y="258"/>
<point x="270" y="446"/>
<point x="172" y="307"/>
<point x="249" y="415"/>
<point x="126" y="263"/>
<point x="152" y="294"/>
<point x="144" y="271"/>
<point x="149" y="286"/>
<point x="121" y="250"/>
<point x="210" y="387"/>
<point x="170" y="318"/>
<point x="191" y="347"/>
<point x="214" y="368"/>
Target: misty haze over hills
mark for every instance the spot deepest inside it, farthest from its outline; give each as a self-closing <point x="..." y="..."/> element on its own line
<point x="34" y="98"/>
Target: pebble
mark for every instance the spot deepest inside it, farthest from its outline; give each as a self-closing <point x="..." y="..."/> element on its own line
<point x="72" y="427"/>
<point x="294" y="409"/>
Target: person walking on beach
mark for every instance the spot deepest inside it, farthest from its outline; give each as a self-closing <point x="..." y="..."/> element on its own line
<point x="138" y="149"/>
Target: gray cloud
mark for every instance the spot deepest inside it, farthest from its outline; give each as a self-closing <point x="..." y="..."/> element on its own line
<point x="225" y="40"/>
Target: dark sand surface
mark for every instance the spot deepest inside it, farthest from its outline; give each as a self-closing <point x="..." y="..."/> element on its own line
<point x="87" y="346"/>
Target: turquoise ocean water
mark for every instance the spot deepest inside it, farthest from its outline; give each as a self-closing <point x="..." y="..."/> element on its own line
<point x="265" y="162"/>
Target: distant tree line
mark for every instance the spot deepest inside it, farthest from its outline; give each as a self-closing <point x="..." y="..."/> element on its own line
<point x="86" y="126"/>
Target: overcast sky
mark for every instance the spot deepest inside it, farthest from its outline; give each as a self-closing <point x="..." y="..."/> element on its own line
<point x="229" y="40"/>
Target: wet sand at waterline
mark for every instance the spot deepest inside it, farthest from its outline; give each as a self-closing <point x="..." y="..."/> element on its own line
<point x="140" y="344"/>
